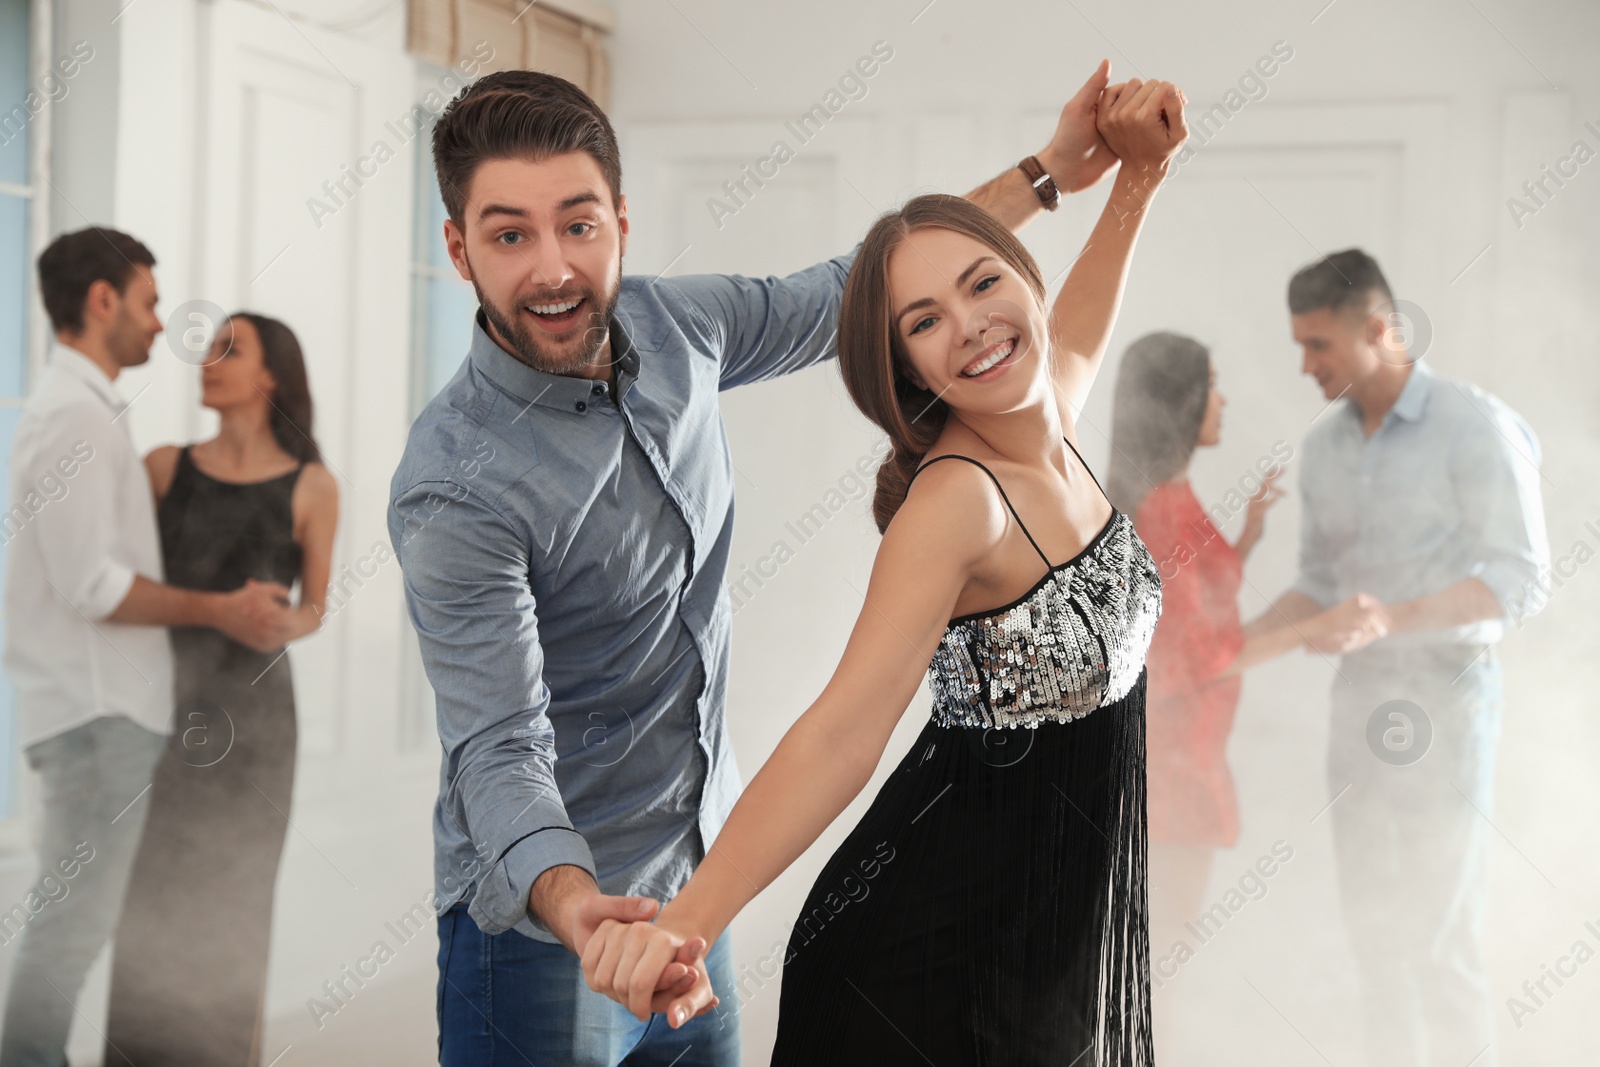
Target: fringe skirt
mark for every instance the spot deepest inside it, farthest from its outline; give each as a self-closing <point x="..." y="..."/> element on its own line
<point x="989" y="909"/>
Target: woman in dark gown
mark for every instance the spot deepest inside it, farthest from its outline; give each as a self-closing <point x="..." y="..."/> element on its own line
<point x="252" y="504"/>
<point x="989" y="908"/>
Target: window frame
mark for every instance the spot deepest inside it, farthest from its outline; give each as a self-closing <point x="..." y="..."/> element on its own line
<point x="18" y="801"/>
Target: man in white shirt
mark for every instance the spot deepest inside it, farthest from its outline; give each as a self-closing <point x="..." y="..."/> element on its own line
<point x="85" y="617"/>
<point x="1421" y="491"/>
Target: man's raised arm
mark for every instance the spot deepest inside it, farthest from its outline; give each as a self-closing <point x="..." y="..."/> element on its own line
<point x="1076" y="158"/>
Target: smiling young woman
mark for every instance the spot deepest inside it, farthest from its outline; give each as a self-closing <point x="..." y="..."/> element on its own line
<point x="1010" y="927"/>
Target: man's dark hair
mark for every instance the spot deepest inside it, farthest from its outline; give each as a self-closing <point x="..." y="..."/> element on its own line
<point x="1339" y="282"/>
<point x="518" y="114"/>
<point x="75" y="261"/>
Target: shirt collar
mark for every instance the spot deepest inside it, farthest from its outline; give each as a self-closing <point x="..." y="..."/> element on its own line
<point x="551" y="390"/>
<point x="1411" y="402"/>
<point x="88" y="372"/>
<point x="1413" y="396"/>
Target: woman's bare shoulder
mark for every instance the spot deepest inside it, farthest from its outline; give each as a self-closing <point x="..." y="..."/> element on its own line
<point x="161" y="464"/>
<point x="317" y="485"/>
<point x="954" y="502"/>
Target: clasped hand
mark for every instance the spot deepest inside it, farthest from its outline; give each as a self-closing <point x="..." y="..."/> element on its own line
<point x="1142" y="123"/>
<point x="1350" y="625"/>
<point x="258" y="615"/>
<point x="650" y="968"/>
<point x="1137" y="123"/>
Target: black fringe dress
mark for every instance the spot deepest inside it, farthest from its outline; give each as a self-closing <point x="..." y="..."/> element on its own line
<point x="990" y="908"/>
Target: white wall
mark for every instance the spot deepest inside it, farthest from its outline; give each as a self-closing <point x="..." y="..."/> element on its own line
<point x="1403" y="128"/>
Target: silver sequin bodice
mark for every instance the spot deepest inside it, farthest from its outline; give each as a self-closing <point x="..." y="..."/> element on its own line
<point x="1075" y="643"/>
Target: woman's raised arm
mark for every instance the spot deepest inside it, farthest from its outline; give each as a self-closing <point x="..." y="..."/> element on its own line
<point x="830" y="753"/>
<point x="1143" y="124"/>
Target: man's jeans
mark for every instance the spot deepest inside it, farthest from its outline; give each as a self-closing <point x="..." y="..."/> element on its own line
<point x="509" y="1000"/>
<point x="92" y="781"/>
<point x="1411" y="839"/>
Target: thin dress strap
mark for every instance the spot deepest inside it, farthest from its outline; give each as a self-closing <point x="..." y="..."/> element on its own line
<point x="1086" y="467"/>
<point x="1003" y="496"/>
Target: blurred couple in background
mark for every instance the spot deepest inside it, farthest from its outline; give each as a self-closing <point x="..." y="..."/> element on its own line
<point x="148" y="606"/>
<point x="1421" y="536"/>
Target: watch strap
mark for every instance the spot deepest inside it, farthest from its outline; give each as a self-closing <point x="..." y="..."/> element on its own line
<point x="1043" y="185"/>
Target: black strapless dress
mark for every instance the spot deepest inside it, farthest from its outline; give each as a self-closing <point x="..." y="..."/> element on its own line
<point x="189" y="967"/>
<point x="990" y="907"/>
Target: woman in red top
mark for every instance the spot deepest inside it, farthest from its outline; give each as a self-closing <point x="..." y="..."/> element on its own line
<point x="1166" y="405"/>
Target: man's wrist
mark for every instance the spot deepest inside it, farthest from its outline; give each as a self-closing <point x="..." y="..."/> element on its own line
<point x="1061" y="170"/>
<point x="554" y="897"/>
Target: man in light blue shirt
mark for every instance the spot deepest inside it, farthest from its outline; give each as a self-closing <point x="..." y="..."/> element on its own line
<point x="563" y="515"/>
<point x="1420" y="497"/>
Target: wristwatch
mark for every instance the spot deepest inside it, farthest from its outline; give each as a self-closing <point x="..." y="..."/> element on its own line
<point x="1042" y="183"/>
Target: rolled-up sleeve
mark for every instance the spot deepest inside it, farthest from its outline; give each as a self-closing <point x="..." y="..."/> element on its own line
<point x="467" y="590"/>
<point x="77" y="531"/>
<point x="1495" y="471"/>
<point x="763" y="328"/>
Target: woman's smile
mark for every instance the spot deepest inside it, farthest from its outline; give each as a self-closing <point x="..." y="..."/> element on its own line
<point x="993" y="362"/>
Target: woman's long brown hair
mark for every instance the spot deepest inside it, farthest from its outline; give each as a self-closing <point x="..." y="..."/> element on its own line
<point x="291" y="400"/>
<point x="872" y="355"/>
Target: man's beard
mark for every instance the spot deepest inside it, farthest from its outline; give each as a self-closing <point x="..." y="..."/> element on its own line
<point x="577" y="353"/>
<point x="127" y="341"/>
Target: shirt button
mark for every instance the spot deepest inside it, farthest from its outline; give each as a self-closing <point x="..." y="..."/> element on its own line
<point x="598" y="389"/>
<point x="582" y="406"/>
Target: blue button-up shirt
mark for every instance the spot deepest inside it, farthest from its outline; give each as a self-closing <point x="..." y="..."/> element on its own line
<point x="564" y="551"/>
<point x="1447" y="488"/>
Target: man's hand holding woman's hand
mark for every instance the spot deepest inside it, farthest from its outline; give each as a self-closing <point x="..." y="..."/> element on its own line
<point x="1135" y="122"/>
<point x="650" y="968"/>
<point x="256" y="614"/>
<point x="1349" y="625"/>
<point x="1077" y="156"/>
<point x="607" y="932"/>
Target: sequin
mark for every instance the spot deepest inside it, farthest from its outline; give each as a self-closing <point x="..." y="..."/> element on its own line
<point x="1076" y="643"/>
